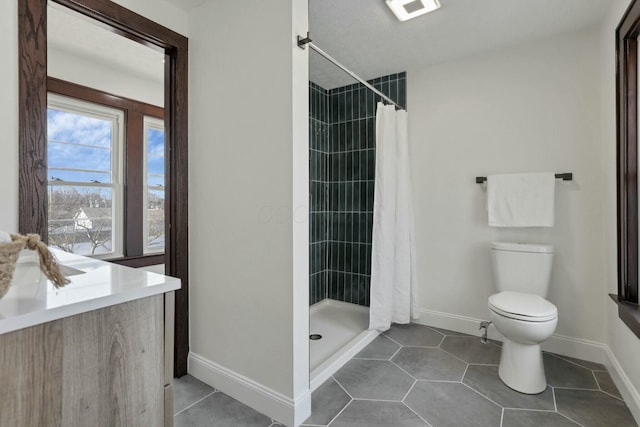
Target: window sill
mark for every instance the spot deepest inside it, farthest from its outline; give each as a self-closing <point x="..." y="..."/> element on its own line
<point x="629" y="314"/>
<point x="139" y="261"/>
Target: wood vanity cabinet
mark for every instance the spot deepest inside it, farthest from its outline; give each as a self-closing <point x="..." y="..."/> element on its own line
<point x="107" y="367"/>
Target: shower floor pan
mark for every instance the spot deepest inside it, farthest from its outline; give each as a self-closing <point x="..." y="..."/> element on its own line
<point x="343" y="327"/>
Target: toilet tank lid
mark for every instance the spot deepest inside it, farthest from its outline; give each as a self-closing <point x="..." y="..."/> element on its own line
<point x="522" y="247"/>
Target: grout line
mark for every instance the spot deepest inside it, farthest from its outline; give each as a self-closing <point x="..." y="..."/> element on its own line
<point x="476" y="391"/>
<point x="596" y="380"/>
<point x="465" y="372"/>
<point x="454" y="356"/>
<point x="402" y="369"/>
<point x="614" y="396"/>
<point x="409" y="391"/>
<point x="418" y="415"/>
<point x="396" y="352"/>
<point x="531" y="410"/>
<point x="368" y="399"/>
<point x="576" y="388"/>
<point x="341" y="411"/>
<point x="195" y="403"/>
<point x="553" y="395"/>
<point x="501" y="417"/>
<point x="570" y="419"/>
<point x="558" y="356"/>
<point x="443" y="381"/>
<point x="392" y="339"/>
<point x="371" y="358"/>
<point x="342" y="387"/>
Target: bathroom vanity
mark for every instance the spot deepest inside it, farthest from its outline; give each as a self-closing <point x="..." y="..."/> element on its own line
<point x="97" y="352"/>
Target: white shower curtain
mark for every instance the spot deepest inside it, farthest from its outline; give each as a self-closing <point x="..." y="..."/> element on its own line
<point x="393" y="264"/>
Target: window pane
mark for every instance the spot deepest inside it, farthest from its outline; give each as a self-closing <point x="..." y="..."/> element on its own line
<point x="79" y="143"/>
<point x="155" y="220"/>
<point x="154" y="184"/>
<point x="81" y="219"/>
<point x="64" y="174"/>
<point x="155" y="157"/>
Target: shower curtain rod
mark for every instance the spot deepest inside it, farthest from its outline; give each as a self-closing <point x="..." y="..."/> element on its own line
<point x="306" y="41"/>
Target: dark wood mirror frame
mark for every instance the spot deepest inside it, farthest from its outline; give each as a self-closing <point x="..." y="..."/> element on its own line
<point x="32" y="40"/>
<point x="627" y="35"/>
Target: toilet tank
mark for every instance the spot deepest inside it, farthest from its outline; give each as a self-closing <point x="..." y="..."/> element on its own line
<point x="522" y="267"/>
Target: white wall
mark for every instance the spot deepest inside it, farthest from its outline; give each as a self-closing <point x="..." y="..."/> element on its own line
<point x="163" y="12"/>
<point x="9" y="116"/>
<point x="531" y="107"/>
<point x="624" y="345"/>
<point x="102" y="76"/>
<point x="248" y="174"/>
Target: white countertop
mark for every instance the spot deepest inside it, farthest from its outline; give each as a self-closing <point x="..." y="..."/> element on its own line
<point x="32" y="299"/>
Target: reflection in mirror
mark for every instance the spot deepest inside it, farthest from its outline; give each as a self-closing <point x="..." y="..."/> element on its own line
<point x="82" y="51"/>
<point x="105" y="134"/>
<point x="34" y="175"/>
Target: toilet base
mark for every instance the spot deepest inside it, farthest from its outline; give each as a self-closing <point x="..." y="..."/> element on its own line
<point x="521" y="367"/>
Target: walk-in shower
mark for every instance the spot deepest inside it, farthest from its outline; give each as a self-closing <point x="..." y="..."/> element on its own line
<point x="342" y="126"/>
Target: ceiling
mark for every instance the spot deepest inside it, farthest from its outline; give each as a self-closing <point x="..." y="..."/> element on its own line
<point x="367" y="38"/>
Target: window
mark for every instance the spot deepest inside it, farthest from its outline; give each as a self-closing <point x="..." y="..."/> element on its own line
<point x="84" y="173"/>
<point x="627" y="173"/>
<point x="154" y="185"/>
<point x="99" y="204"/>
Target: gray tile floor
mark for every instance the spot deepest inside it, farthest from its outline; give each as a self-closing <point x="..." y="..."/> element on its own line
<point x="414" y="375"/>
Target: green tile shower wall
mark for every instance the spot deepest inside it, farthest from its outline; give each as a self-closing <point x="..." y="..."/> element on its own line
<point x="318" y="175"/>
<point x="342" y="169"/>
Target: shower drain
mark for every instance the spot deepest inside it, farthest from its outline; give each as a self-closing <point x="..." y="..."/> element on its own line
<point x="315" y="337"/>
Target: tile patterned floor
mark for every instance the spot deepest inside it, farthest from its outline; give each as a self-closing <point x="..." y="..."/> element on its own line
<point x="414" y="375"/>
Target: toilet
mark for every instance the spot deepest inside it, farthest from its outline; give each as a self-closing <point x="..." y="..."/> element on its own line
<point x="519" y="311"/>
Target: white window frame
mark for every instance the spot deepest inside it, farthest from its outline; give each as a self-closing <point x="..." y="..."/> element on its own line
<point x="89" y="109"/>
<point x="156" y="124"/>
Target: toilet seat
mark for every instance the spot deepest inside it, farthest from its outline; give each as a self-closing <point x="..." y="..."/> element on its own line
<point x="521" y="306"/>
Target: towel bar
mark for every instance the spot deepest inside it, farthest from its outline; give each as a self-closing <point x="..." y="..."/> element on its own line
<point x="567" y="176"/>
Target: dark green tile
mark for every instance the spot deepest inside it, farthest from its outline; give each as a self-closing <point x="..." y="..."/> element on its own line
<point x="393" y="89"/>
<point x="402" y="92"/>
<point x="341" y="107"/>
<point x="362" y="102"/>
<point x="348" y="106"/>
<point x="348" y="136"/>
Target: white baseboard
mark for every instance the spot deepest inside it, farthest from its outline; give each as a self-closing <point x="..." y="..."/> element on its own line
<point x="288" y="411"/>
<point x="559" y="344"/>
<point x="625" y="386"/>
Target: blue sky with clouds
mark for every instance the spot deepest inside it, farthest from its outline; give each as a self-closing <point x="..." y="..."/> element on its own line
<point x="155" y="156"/>
<point x="94" y="153"/>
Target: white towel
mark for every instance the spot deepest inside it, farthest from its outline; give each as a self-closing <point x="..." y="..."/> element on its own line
<point x="521" y="199"/>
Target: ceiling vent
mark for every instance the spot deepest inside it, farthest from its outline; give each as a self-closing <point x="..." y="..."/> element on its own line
<point x="408" y="9"/>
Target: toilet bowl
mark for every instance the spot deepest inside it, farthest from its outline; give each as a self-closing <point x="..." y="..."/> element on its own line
<point x="525" y="320"/>
<point x="519" y="311"/>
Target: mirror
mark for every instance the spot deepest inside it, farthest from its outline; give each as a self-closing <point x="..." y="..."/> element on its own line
<point x="33" y="147"/>
<point x="105" y="140"/>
